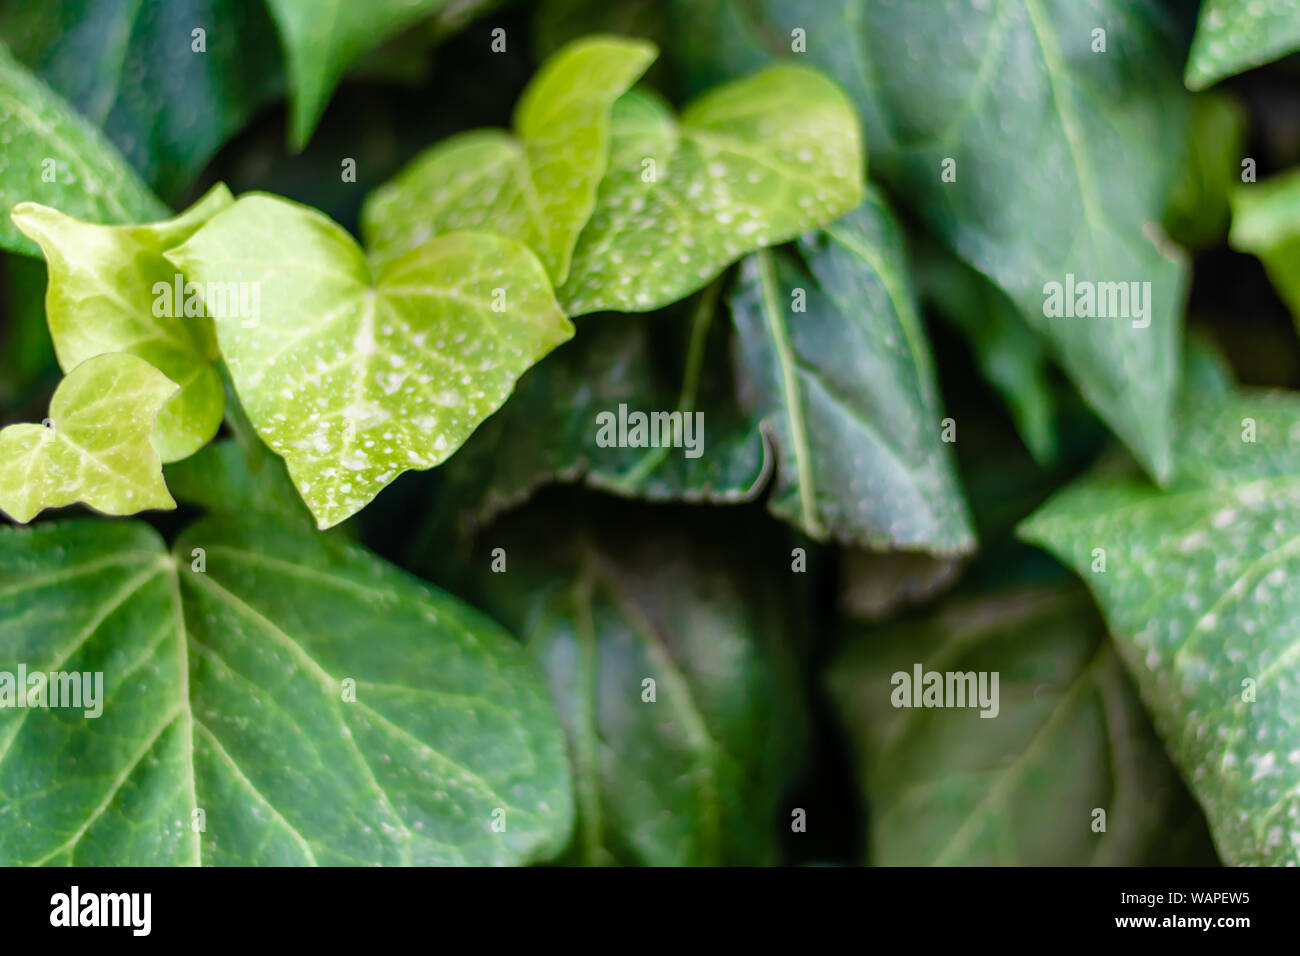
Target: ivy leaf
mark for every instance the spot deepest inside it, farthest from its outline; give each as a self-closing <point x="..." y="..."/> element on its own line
<point x="537" y="186"/>
<point x="688" y="769"/>
<point x="834" y="352"/>
<point x="947" y="786"/>
<point x="53" y="156"/>
<point x="750" y="164"/>
<point x="1266" y="222"/>
<point x="1060" y="158"/>
<point x="355" y="378"/>
<point x="321" y="39"/>
<point x="1197" y="584"/>
<point x="130" y="67"/>
<point x="244" y="690"/>
<point x="548" y="431"/>
<point x="1237" y="35"/>
<point x="94" y="447"/>
<point x="104" y="297"/>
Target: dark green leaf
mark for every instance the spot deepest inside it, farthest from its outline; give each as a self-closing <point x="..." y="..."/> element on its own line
<point x="130" y="67"/>
<point x="695" y="775"/>
<point x="662" y="362"/>
<point x="843" y="380"/>
<point x="54" y="157"/>
<point x="321" y="38"/>
<point x="1062" y="156"/>
<point x="226" y="691"/>
<point x="946" y="785"/>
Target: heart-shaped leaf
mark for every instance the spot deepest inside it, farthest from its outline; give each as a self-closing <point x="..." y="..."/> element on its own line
<point x="353" y="378"/>
<point x="53" y="156"/>
<point x="537" y="186"/>
<point x="111" y="290"/>
<point x="1198" y="586"/>
<point x="750" y="164"/>
<point x="95" y="445"/>
<point x="837" y="360"/>
<point x="265" y="695"/>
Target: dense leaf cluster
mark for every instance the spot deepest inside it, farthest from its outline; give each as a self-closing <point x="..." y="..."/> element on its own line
<point x="777" y="218"/>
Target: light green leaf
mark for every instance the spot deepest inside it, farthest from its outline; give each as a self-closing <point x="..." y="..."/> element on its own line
<point x="1237" y="35"/>
<point x="94" y="447"/>
<point x="104" y="297"/>
<point x="355" y="378"/>
<point x="537" y="186"/>
<point x="315" y="704"/>
<point x="53" y="156"/>
<point x="835" y="355"/>
<point x="750" y="164"/>
<point x="1029" y="154"/>
<point x="1199" y="590"/>
<point x="321" y="38"/>
<point x="1266" y="222"/>
<point x="658" y="363"/>
<point x="947" y="786"/>
<point x="689" y="770"/>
